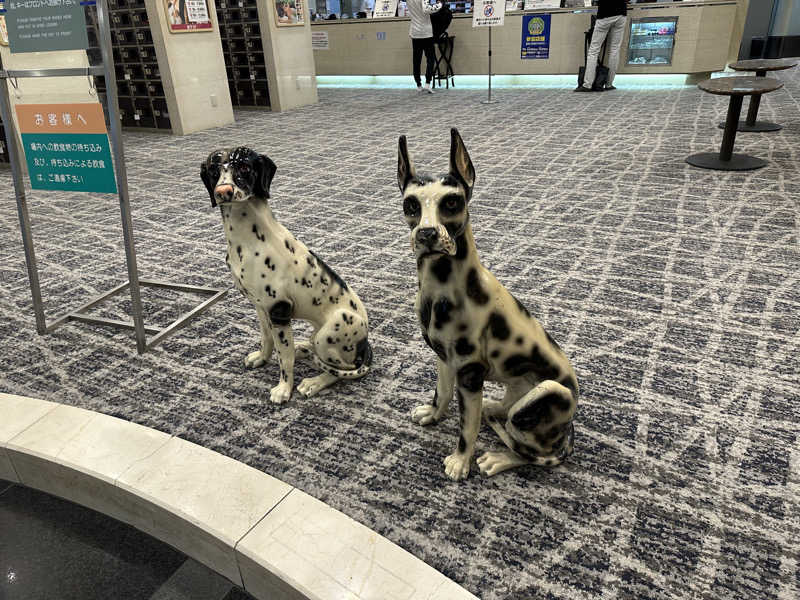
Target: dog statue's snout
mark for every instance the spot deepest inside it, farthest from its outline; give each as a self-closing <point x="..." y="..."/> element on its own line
<point x="427" y="236"/>
<point x="224" y="192"/>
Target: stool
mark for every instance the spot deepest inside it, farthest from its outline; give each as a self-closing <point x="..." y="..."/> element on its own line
<point x="760" y="66"/>
<point x="737" y="88"/>
<point x="445" y="46"/>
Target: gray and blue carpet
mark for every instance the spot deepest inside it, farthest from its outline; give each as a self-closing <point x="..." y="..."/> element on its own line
<point x="674" y="290"/>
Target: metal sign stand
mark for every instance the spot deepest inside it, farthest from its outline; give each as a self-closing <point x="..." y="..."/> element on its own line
<point x="134" y="283"/>
<point x="489" y="99"/>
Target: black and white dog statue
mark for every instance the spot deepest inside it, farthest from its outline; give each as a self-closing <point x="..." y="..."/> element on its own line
<point x="481" y="332"/>
<point x="284" y="279"/>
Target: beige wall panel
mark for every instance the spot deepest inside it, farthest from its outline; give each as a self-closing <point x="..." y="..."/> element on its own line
<point x="192" y="71"/>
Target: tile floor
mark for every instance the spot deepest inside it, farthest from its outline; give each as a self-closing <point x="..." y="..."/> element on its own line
<point x="51" y="548"/>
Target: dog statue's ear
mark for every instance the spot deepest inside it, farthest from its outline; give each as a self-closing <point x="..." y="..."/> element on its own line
<point x="405" y="168"/>
<point x="460" y="163"/>
<point x="265" y="171"/>
<point x="204" y="175"/>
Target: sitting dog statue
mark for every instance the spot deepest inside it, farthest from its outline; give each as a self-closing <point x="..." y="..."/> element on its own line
<point x="284" y="280"/>
<point x="481" y="332"/>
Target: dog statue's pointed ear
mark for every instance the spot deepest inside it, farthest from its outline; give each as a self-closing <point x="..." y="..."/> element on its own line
<point x="204" y="175"/>
<point x="265" y="172"/>
<point x="405" y="168"/>
<point x="460" y="163"/>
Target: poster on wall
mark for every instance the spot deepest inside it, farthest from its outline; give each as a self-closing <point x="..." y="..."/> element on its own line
<point x="515" y="5"/>
<point x="384" y="8"/>
<point x="185" y="16"/>
<point x="3" y="26"/>
<point x="489" y="13"/>
<point x="289" y="12"/>
<point x="319" y="40"/>
<point x="535" y="36"/>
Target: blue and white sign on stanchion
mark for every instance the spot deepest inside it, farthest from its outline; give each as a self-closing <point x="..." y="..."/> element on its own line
<point x="489" y="13"/>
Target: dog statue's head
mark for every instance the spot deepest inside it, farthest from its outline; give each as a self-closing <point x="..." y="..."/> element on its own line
<point x="236" y="175"/>
<point x="436" y="208"/>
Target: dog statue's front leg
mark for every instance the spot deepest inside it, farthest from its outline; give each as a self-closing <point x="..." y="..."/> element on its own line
<point x="470" y="401"/>
<point x="425" y="414"/>
<point x="280" y="318"/>
<point x="260" y="357"/>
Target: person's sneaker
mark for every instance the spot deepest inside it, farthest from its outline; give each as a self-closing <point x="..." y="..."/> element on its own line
<point x="580" y="88"/>
<point x="608" y="88"/>
<point x="419" y="89"/>
<point x="427" y="88"/>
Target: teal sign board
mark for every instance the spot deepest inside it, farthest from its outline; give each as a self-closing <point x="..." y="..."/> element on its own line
<point x="66" y="147"/>
<point x="70" y="162"/>
<point x="39" y="25"/>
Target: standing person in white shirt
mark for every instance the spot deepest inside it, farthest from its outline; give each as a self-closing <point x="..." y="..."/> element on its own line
<point x="421" y="34"/>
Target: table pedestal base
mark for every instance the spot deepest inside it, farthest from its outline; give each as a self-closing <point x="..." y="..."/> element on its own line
<point x="738" y="162"/>
<point x="757" y="127"/>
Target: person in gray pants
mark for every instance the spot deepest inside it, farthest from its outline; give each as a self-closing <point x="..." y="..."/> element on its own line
<point x="611" y="19"/>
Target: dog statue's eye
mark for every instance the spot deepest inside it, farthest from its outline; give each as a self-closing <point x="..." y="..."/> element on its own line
<point x="244" y="169"/>
<point x="451" y="203"/>
<point x="411" y="206"/>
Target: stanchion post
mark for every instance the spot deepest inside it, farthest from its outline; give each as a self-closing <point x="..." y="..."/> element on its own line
<point x="489" y="99"/>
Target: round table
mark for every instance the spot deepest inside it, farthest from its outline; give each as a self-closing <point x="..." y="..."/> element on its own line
<point x="760" y="66"/>
<point x="737" y="88"/>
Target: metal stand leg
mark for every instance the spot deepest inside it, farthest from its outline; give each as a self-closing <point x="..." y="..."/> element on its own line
<point x="726" y="160"/>
<point x="751" y="125"/>
<point x="22" y="206"/>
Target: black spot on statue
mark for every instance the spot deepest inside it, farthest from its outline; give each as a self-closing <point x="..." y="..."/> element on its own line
<point x="439" y="348"/>
<point x="435" y="402"/>
<point x="462" y="444"/>
<point x="330" y="272"/>
<point x="363" y="353"/>
<point x="474" y="289"/>
<point x="462" y="327"/>
<point x="353" y="305"/>
<point x="425" y="312"/>
<point x="495" y="353"/>
<point x="519" y="340"/>
<point x="441" y="268"/>
<point x="527" y="418"/>
<point x="498" y="326"/>
<point x="463" y="347"/>
<point x="281" y="313"/>
<point x="239" y="251"/>
<point x="289" y="247"/>
<point x="330" y="340"/>
<point x="470" y="376"/>
<point x="517" y="365"/>
<point x="441" y="311"/>
<point x="462" y="247"/>
<point x="260" y="236"/>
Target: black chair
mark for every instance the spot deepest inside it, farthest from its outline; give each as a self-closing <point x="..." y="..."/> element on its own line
<point x="444" y="58"/>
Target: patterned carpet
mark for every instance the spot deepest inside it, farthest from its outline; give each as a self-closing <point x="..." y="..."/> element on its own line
<point x="675" y="292"/>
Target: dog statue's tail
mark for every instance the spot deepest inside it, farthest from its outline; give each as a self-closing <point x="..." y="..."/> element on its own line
<point x="363" y="362"/>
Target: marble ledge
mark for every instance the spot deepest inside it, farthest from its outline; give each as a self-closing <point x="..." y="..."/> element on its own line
<point x="259" y="532"/>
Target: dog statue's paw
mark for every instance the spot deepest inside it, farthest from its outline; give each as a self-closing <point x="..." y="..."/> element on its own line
<point x="313" y="385"/>
<point x="255" y="359"/>
<point x="424" y="414"/>
<point x="457" y="466"/>
<point x="492" y="463"/>
<point x="280" y="393"/>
